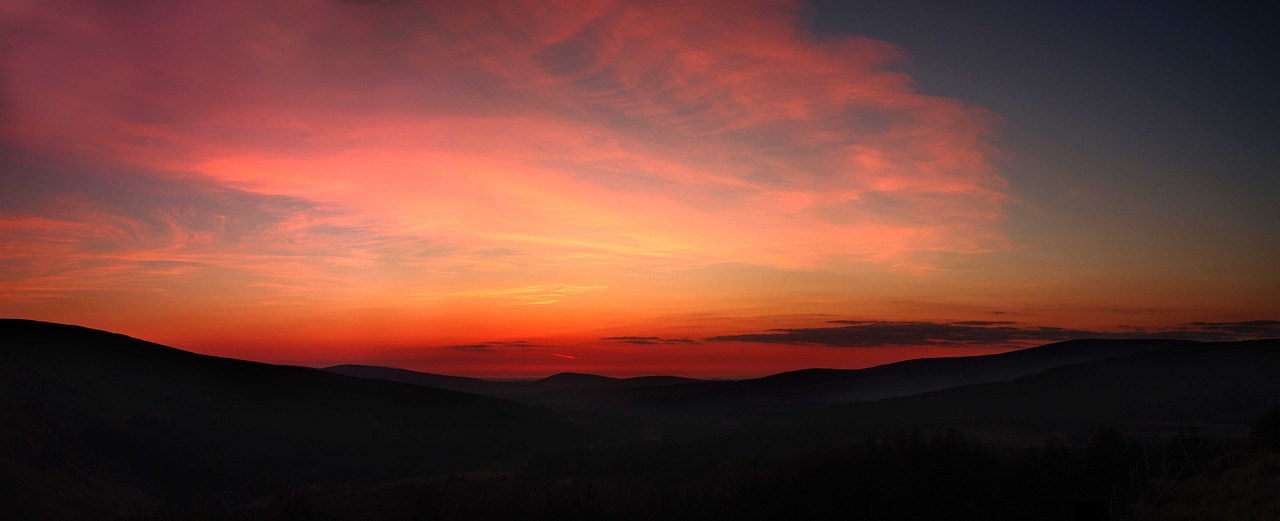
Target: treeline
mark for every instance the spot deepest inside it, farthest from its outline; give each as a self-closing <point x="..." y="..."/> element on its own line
<point x="903" y="476"/>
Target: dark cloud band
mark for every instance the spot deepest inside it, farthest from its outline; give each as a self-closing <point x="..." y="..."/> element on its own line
<point x="859" y="333"/>
<point x="650" y="340"/>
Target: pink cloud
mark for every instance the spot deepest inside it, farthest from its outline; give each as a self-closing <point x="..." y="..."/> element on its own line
<point x="326" y="148"/>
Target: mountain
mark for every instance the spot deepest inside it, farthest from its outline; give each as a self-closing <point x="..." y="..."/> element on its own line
<point x="95" y="424"/>
<point x="1222" y="386"/>
<point x="827" y="386"/>
<point x="571" y="380"/>
<point x="439" y="381"/>
<point x="512" y="389"/>
<point x="803" y="388"/>
<point x="824" y="387"/>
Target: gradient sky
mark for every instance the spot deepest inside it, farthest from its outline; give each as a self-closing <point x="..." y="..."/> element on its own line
<point x="508" y="188"/>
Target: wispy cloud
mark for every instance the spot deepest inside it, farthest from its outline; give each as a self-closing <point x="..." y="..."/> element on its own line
<point x="71" y="228"/>
<point x="412" y="171"/>
<point x="698" y="132"/>
<point x="495" y="346"/>
<point x="1269" y="328"/>
<point x="528" y="295"/>
<point x="860" y="333"/>
<point x="651" y="340"/>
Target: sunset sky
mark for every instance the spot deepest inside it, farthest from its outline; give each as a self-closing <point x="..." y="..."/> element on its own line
<point x="717" y="189"/>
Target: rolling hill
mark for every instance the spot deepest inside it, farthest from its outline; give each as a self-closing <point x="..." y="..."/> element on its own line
<point x="512" y="389"/>
<point x="95" y="423"/>
<point x="804" y="388"/>
<point x="1220" y="386"/>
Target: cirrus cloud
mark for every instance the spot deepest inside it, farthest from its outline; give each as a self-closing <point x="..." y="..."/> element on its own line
<point x="557" y="165"/>
<point x="651" y="340"/>
<point x="878" y="333"/>
<point x="698" y="132"/>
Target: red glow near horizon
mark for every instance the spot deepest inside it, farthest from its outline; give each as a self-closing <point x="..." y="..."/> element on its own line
<point x="328" y="182"/>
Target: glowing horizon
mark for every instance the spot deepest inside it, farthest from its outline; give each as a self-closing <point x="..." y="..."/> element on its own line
<point x="587" y="186"/>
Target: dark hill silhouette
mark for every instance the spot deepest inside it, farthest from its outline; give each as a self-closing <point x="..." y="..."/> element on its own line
<point x="824" y="387"/>
<point x="1222" y="383"/>
<point x="512" y="389"/>
<point x="568" y="380"/>
<point x="807" y="387"/>
<point x="95" y="423"/>
<point x="928" y="374"/>
<point x="578" y="380"/>
<point x="440" y="381"/>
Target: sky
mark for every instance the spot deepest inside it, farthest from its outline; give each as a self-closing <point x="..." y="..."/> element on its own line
<point x="710" y="189"/>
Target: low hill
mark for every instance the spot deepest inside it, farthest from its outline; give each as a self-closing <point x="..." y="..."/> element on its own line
<point x="439" y="381"/>
<point x="95" y="423"/>
<point x="827" y="386"/>
<point x="823" y="387"/>
<point x="1220" y="385"/>
<point x="512" y="389"/>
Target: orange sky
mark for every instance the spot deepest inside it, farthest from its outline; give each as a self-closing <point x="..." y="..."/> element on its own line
<point x="476" y="188"/>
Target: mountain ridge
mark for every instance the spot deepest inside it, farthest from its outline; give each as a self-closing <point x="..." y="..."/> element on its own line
<point x="151" y="423"/>
<point x="804" y="387"/>
<point x="135" y="424"/>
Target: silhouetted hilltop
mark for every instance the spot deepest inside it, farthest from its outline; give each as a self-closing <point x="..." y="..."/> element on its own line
<point x="567" y="380"/>
<point x="806" y="387"/>
<point x="97" y="423"/>
<point x="440" y="381"/>
<point x="577" y="380"/>
<point x="821" y="387"/>
<point x="927" y="374"/>
<point x="512" y="389"/>
<point x="1227" y="384"/>
<point x="658" y="381"/>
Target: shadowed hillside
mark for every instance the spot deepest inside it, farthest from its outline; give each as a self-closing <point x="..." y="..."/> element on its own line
<point x="1221" y="385"/>
<point x="811" y="387"/>
<point x="94" y="423"/>
<point x="507" y="388"/>
<point x="804" y="388"/>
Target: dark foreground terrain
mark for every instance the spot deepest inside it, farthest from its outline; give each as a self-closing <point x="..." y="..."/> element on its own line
<point x="95" y="425"/>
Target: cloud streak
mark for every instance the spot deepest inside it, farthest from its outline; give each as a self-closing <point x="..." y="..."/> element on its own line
<point x="495" y="346"/>
<point x="651" y="340"/>
<point x="696" y="132"/>
<point x="420" y="173"/>
<point x="857" y="333"/>
<point x="125" y="228"/>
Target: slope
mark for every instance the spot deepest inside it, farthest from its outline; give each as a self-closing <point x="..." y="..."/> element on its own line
<point x="1211" y="384"/>
<point x="823" y="387"/>
<point x="79" y="405"/>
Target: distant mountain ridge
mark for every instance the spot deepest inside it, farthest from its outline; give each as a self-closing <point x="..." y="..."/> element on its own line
<point x="806" y="387"/>
<point x="454" y="383"/>
<point x="97" y="425"/>
<point x="1211" y="383"/>
<point x="504" y="388"/>
<point x="136" y="422"/>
